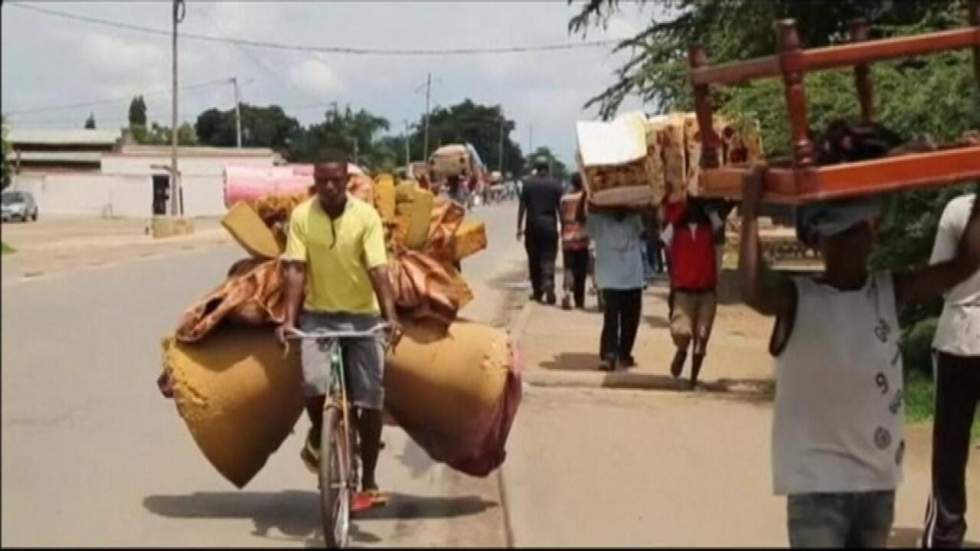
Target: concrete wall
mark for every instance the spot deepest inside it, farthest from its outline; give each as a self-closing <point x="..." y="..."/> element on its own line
<point x="188" y="166"/>
<point x="90" y="194"/>
<point x="115" y="194"/>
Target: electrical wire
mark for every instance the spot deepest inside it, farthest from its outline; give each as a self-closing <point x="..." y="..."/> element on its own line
<point x="326" y="49"/>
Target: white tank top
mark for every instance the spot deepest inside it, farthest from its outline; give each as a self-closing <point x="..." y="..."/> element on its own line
<point x="839" y="410"/>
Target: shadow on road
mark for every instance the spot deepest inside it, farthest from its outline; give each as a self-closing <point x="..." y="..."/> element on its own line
<point x="573" y="361"/>
<point x="403" y="506"/>
<point x="296" y="513"/>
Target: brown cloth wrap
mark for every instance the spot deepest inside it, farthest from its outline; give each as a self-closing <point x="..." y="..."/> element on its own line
<point x="425" y="285"/>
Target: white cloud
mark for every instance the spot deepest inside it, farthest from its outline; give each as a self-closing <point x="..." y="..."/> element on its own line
<point x="316" y="77"/>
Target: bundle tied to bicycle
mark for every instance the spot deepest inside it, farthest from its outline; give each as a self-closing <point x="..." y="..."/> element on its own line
<point x="453" y="385"/>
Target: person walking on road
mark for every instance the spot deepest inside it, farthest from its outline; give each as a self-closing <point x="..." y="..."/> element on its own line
<point x="957" y="375"/>
<point x="574" y="245"/>
<point x="837" y="440"/>
<point x="617" y="233"/>
<point x="540" y="202"/>
<point x="693" y="279"/>
<point x="335" y="256"/>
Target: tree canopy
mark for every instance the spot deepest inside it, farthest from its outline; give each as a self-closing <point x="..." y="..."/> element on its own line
<point x="90" y="121"/>
<point x="4" y="151"/>
<point x="137" y="112"/>
<point x="934" y="95"/>
<point x="261" y="127"/>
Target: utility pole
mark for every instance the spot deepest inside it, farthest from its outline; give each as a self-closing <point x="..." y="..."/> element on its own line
<point x="408" y="142"/>
<point x="238" y="113"/>
<point x="355" y="150"/>
<point x="179" y="10"/>
<point x="428" y="93"/>
<point x="530" y="139"/>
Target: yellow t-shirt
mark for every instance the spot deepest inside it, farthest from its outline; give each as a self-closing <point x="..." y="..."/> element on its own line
<point x="338" y="254"/>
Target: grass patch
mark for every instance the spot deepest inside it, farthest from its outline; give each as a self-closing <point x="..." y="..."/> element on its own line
<point x="919" y="400"/>
<point x="6" y="249"/>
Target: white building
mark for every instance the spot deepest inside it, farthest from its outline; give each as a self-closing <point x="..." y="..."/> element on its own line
<point x="127" y="178"/>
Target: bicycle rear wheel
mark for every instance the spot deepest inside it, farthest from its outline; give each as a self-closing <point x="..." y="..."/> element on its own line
<point x="335" y="478"/>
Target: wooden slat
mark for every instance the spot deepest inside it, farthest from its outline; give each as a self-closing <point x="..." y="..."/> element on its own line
<point x="842" y="55"/>
<point x="845" y="55"/>
<point x="905" y="172"/>
<point x="735" y="72"/>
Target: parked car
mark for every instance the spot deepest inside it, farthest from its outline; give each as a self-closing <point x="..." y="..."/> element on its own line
<point x="18" y="205"/>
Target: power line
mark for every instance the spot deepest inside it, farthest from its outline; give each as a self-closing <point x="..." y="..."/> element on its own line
<point x="110" y="100"/>
<point x="327" y="49"/>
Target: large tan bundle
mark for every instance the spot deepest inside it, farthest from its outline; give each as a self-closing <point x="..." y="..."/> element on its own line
<point x="454" y="392"/>
<point x="238" y="394"/>
<point x="675" y="167"/>
<point x="450" y="160"/>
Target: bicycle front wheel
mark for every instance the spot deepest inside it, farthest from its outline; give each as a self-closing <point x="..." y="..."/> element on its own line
<point x="335" y="477"/>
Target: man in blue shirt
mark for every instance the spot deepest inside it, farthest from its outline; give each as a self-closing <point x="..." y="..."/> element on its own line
<point x="617" y="234"/>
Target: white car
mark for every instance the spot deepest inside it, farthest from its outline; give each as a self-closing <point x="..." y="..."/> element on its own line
<point x="18" y="205"/>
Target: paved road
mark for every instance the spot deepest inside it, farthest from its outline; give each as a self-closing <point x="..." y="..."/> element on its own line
<point x="93" y="456"/>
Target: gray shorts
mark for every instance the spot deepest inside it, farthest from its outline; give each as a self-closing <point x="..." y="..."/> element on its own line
<point x="363" y="358"/>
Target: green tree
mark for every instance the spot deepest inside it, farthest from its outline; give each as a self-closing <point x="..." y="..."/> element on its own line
<point x="137" y="112"/>
<point x="935" y="95"/>
<point x="355" y="132"/>
<point x="558" y="169"/>
<point x="90" y="121"/>
<point x="161" y="135"/>
<point x="137" y="119"/>
<point x="5" y="151"/>
<point x="261" y="127"/>
<point x="479" y="125"/>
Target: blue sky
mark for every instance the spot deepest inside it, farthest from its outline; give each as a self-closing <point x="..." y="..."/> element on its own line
<point x="51" y="61"/>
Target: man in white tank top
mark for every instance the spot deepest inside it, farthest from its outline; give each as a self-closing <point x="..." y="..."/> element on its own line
<point x="837" y="445"/>
<point x="957" y="375"/>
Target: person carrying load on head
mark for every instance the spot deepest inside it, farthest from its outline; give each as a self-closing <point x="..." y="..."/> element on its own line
<point x="837" y="443"/>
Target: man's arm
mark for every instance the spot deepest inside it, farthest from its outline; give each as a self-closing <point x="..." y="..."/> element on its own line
<point x="295" y="272"/>
<point x="771" y="300"/>
<point x="928" y="283"/>
<point x="386" y="298"/>
<point x="521" y="211"/>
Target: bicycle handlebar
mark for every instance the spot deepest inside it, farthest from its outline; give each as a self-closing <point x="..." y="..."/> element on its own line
<point x="377" y="329"/>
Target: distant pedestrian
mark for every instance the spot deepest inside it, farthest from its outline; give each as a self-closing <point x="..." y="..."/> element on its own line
<point x="540" y="202"/>
<point x="693" y="279"/>
<point x="617" y="234"/>
<point x="574" y="245"/>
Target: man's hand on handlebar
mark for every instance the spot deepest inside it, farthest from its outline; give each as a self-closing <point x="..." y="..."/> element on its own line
<point x="284" y="331"/>
<point x="393" y="331"/>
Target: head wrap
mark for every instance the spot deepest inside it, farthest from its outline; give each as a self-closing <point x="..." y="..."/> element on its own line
<point x="831" y="218"/>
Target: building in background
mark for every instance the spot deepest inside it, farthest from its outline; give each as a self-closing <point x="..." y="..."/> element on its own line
<point x="101" y="172"/>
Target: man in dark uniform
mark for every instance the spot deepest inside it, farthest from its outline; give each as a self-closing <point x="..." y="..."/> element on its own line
<point x="541" y="200"/>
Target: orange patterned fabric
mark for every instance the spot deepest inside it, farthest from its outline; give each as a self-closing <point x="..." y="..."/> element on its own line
<point x="253" y="294"/>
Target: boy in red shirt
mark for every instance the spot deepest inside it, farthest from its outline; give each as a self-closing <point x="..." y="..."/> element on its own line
<point x="693" y="278"/>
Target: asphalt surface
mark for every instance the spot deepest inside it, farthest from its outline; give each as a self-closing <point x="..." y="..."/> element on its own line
<point x="93" y="456"/>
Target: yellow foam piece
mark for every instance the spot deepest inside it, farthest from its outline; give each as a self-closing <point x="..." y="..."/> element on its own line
<point x="384" y="196"/>
<point x="238" y="395"/>
<point x="419" y="214"/>
<point x="248" y="229"/>
<point x="469" y="239"/>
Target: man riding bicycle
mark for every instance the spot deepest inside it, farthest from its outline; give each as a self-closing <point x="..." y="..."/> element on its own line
<point x="336" y="251"/>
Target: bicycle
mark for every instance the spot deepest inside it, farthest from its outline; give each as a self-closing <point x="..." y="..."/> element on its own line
<point x="340" y="466"/>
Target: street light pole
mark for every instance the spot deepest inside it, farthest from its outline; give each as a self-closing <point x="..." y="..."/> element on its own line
<point x="238" y="113"/>
<point x="408" y="142"/>
<point x="175" y="204"/>
<point x="428" y="93"/>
